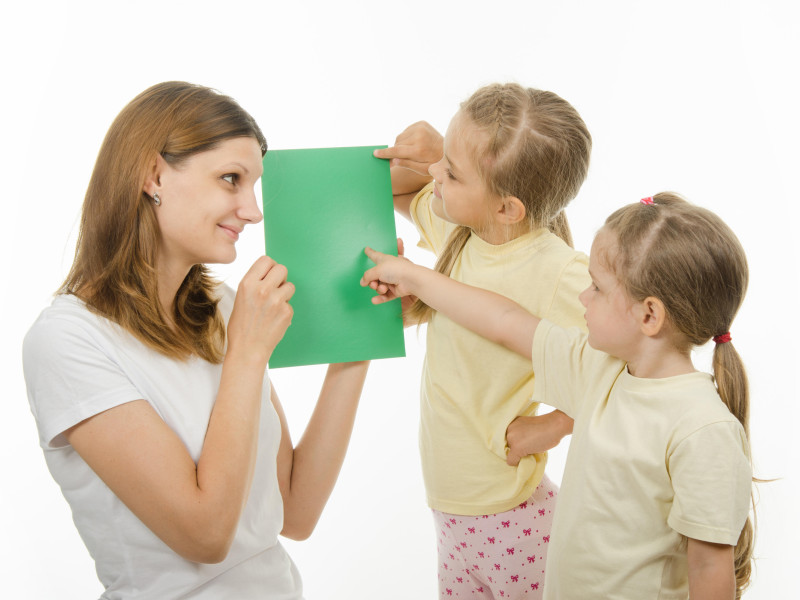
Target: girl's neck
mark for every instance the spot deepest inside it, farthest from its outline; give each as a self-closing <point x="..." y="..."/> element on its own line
<point x="656" y="361"/>
<point x="498" y="235"/>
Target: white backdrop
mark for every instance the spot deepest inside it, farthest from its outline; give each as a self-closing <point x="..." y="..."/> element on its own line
<point x="699" y="97"/>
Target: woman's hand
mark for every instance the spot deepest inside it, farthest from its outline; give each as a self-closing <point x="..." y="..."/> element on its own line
<point x="261" y="312"/>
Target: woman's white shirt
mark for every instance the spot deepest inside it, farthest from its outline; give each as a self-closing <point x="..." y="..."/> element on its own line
<point x="78" y="364"/>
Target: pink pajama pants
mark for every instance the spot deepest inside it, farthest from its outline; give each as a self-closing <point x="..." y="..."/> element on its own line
<point x="496" y="556"/>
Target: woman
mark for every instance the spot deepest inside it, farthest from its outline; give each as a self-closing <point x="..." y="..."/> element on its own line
<point x="148" y="380"/>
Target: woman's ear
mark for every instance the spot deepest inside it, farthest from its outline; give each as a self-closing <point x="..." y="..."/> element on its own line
<point x="510" y="210"/>
<point x="653" y="316"/>
<point x="152" y="182"/>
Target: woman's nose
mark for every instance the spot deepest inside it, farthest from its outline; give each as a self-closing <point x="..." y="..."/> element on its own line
<point x="248" y="211"/>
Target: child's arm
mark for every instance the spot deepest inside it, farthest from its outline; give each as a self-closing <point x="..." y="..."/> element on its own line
<point x="540" y="433"/>
<point x="414" y="151"/>
<point x="490" y="315"/>
<point x="711" y="572"/>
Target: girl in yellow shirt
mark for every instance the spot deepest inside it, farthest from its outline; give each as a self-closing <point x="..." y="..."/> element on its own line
<point x="511" y="160"/>
<point x="657" y="485"/>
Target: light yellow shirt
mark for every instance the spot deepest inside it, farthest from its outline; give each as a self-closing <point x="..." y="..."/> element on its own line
<point x="472" y="389"/>
<point x="650" y="461"/>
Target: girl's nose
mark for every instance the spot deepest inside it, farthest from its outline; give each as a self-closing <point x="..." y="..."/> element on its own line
<point x="435" y="171"/>
<point x="584" y="297"/>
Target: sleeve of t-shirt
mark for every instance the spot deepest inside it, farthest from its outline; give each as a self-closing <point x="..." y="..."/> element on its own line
<point x="433" y="230"/>
<point x="558" y="366"/>
<point x="566" y="309"/>
<point x="70" y="377"/>
<point x="711" y="477"/>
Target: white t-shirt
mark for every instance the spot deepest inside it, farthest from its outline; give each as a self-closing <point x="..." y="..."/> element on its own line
<point x="78" y="364"/>
<point x="650" y="461"/>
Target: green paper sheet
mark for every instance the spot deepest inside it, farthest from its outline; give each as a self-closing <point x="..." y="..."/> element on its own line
<point x="322" y="206"/>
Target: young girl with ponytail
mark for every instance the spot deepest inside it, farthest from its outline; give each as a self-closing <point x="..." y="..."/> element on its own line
<point x="514" y="157"/>
<point x="656" y="491"/>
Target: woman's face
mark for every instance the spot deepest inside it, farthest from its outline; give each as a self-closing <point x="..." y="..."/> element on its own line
<point x="205" y="203"/>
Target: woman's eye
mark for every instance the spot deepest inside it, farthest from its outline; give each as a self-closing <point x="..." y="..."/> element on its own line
<point x="231" y="178"/>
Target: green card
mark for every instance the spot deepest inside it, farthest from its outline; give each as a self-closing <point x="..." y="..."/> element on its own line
<point x="322" y="206"/>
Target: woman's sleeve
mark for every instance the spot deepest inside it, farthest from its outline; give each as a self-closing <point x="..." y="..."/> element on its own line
<point x="70" y="377"/>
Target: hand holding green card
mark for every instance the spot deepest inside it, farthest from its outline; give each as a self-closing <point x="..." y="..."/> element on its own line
<point x="322" y="207"/>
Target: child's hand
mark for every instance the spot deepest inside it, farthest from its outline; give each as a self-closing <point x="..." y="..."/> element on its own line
<point x="416" y="148"/>
<point x="387" y="276"/>
<point x="531" y="435"/>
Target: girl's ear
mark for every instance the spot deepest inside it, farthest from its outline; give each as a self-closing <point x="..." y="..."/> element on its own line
<point x="653" y="316"/>
<point x="152" y="182"/>
<point x="510" y="210"/>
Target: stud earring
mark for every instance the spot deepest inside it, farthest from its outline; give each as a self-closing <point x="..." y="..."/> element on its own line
<point x="156" y="200"/>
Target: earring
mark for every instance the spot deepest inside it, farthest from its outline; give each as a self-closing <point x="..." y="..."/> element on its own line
<point x="156" y="200"/>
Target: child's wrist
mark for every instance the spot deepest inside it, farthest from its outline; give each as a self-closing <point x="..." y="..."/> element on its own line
<point x="415" y="277"/>
<point x="564" y="423"/>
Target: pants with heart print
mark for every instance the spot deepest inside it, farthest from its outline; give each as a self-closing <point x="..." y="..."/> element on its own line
<point x="496" y="556"/>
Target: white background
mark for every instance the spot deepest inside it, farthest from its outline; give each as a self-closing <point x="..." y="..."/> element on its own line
<point x="698" y="97"/>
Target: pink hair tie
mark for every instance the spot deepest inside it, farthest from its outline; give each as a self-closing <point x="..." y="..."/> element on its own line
<point x="648" y="200"/>
<point x="722" y="338"/>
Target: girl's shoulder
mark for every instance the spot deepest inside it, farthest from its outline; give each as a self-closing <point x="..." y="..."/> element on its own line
<point x="566" y="264"/>
<point x="543" y="249"/>
<point x="554" y="246"/>
<point x="693" y="405"/>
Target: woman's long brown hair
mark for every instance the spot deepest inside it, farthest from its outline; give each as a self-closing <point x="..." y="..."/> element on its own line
<point x="114" y="270"/>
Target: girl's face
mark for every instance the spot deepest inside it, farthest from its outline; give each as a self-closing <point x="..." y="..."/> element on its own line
<point x="460" y="194"/>
<point x="206" y="202"/>
<point x="610" y="312"/>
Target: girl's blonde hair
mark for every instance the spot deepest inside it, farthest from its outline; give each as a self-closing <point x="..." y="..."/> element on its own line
<point x="114" y="270"/>
<point x="688" y="258"/>
<point x="538" y="150"/>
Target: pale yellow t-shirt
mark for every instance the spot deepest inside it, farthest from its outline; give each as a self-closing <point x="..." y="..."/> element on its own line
<point x="650" y="461"/>
<point x="471" y="388"/>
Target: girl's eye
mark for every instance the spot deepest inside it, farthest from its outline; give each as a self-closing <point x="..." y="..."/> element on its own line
<point x="450" y="174"/>
<point x="231" y="178"/>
